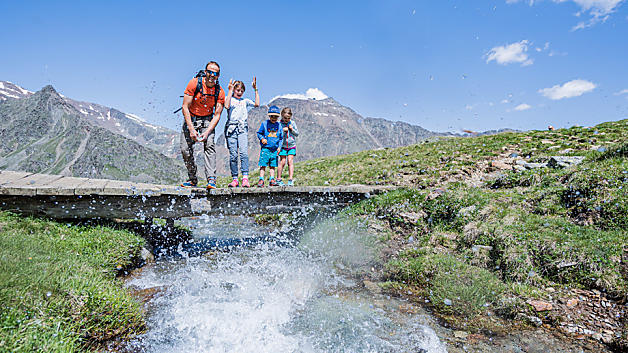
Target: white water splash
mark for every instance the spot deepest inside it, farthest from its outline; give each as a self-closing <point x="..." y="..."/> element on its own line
<point x="268" y="298"/>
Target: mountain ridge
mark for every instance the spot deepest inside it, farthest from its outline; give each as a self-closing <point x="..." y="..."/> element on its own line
<point x="63" y="142"/>
<point x="158" y="138"/>
<point x="327" y="128"/>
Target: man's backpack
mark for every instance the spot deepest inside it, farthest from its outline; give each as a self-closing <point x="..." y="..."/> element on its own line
<point x="199" y="88"/>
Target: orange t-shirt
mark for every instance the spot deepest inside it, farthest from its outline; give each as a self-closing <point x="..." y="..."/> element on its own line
<point x="203" y="102"/>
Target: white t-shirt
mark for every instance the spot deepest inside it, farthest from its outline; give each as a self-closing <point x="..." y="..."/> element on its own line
<point x="238" y="113"/>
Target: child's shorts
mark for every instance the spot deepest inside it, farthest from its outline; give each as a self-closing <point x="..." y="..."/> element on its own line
<point x="267" y="158"/>
<point x="288" y="152"/>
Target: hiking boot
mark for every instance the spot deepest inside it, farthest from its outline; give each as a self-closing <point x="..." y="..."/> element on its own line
<point x="272" y="182"/>
<point x="234" y="183"/>
<point x="211" y="184"/>
<point x="280" y="182"/>
<point x="290" y="182"/>
<point x="245" y="183"/>
<point x="188" y="184"/>
<point x="260" y="183"/>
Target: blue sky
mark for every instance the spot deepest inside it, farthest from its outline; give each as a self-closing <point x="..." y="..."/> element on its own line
<point x="444" y="65"/>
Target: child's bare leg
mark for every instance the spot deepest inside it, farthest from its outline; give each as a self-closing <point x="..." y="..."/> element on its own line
<point x="272" y="172"/>
<point x="282" y="163"/>
<point x="261" y="172"/>
<point x="290" y="166"/>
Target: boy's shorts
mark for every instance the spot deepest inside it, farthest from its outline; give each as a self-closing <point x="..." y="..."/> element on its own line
<point x="267" y="158"/>
<point x="288" y="152"/>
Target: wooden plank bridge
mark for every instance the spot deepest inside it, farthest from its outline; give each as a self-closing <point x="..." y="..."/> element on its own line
<point x="64" y="197"/>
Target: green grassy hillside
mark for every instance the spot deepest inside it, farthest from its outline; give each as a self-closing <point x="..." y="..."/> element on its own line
<point x="477" y="236"/>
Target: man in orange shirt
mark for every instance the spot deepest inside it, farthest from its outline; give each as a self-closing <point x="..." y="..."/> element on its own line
<point x="202" y="105"/>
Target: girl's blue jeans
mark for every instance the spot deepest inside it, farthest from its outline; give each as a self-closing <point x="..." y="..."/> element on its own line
<point x="238" y="145"/>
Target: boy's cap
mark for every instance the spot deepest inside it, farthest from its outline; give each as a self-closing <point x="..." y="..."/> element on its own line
<point x="274" y="110"/>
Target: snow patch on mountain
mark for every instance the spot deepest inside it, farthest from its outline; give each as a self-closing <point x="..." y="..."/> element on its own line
<point x="135" y="117"/>
<point x="311" y="93"/>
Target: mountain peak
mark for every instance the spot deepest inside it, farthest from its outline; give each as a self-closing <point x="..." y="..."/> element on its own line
<point x="49" y="97"/>
<point x="49" y="93"/>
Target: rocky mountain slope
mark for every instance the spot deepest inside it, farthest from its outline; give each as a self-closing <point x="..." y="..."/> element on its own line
<point x="43" y="132"/>
<point x="158" y="138"/>
<point x="327" y="128"/>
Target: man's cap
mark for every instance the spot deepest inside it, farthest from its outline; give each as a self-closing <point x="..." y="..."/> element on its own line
<point x="274" y="110"/>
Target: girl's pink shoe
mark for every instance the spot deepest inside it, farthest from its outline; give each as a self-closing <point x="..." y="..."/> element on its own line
<point x="245" y="183"/>
<point x="234" y="183"/>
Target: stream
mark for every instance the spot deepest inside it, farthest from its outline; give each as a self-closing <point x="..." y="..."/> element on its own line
<point x="270" y="296"/>
<point x="243" y="287"/>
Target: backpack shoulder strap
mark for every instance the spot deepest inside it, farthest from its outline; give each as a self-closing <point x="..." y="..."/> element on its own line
<point x="216" y="94"/>
<point x="199" y="85"/>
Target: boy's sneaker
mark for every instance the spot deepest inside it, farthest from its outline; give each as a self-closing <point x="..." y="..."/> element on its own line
<point x="245" y="183"/>
<point x="211" y="184"/>
<point x="260" y="183"/>
<point x="234" y="183"/>
<point x="272" y="182"/>
<point x="280" y="182"/>
<point x="188" y="184"/>
<point x="290" y="182"/>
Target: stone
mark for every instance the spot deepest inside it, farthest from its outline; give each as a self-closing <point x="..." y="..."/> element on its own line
<point x="372" y="287"/>
<point x="435" y="193"/>
<point x="501" y="165"/>
<point x="572" y="302"/>
<point x="519" y="168"/>
<point x="147" y="256"/>
<point x="481" y="248"/>
<point x="461" y="334"/>
<point x="412" y="217"/>
<point x="534" y="165"/>
<point x="466" y="211"/>
<point x="535" y="321"/>
<point x="564" y="161"/>
<point x="471" y="231"/>
<point x="540" y="305"/>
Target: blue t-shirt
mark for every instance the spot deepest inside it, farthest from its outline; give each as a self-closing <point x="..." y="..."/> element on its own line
<point x="273" y="134"/>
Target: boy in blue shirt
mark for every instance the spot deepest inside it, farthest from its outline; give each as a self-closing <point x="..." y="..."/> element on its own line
<point x="270" y="136"/>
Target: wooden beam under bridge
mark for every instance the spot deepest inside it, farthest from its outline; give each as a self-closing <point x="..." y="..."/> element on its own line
<point x="62" y="197"/>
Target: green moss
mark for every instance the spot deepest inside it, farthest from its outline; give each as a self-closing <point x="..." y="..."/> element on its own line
<point x="453" y="286"/>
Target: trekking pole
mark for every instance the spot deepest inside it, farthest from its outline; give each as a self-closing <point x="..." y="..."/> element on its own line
<point x="178" y="110"/>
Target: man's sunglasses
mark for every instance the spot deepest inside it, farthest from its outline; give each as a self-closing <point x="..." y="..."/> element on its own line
<point x="212" y="73"/>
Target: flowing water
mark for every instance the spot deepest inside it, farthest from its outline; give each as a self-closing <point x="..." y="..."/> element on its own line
<point x="275" y="294"/>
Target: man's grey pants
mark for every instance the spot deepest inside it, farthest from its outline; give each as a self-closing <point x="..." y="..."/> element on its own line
<point x="209" y="149"/>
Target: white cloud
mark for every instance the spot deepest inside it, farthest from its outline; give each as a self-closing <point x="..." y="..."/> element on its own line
<point x="599" y="10"/>
<point x="522" y="107"/>
<point x="311" y="93"/>
<point x="569" y="89"/>
<point x="511" y="53"/>
<point x="623" y="91"/>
